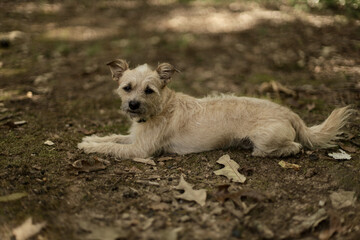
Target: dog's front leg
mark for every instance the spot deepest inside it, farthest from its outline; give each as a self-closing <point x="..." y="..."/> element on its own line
<point x="137" y="149"/>
<point x="124" y="139"/>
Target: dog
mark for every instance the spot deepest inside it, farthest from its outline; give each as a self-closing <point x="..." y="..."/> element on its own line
<point x="167" y="121"/>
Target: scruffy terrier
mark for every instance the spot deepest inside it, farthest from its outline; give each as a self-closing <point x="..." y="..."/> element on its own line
<point x="164" y="120"/>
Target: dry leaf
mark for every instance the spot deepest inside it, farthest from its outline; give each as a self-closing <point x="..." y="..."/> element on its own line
<point x="49" y="143"/>
<point x="151" y="183"/>
<point x="276" y="87"/>
<point x="230" y="170"/>
<point x="90" y="165"/>
<point x="348" y="148"/>
<point x="19" y="123"/>
<point x="12" y="197"/>
<point x="160" y="206"/>
<point x="163" y="159"/>
<point x="190" y="194"/>
<point x="27" y="229"/>
<point x="284" y="164"/>
<point x="148" y="161"/>
<point x="335" y="226"/>
<point x="342" y="155"/>
<point x="147" y="223"/>
<point x="342" y="199"/>
<point x="310" y="107"/>
<point x="264" y="231"/>
<point x="308" y="222"/>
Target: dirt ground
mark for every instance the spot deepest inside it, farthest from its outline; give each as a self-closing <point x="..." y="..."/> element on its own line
<point x="55" y="86"/>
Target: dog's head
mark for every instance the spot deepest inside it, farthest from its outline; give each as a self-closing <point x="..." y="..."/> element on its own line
<point x="141" y="88"/>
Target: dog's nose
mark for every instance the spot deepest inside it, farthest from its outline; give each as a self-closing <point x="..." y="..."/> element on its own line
<point x="133" y="105"/>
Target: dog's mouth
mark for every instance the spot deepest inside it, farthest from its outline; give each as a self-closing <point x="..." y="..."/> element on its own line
<point x="133" y="111"/>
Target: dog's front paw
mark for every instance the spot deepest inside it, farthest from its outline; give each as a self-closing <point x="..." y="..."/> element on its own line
<point x="89" y="147"/>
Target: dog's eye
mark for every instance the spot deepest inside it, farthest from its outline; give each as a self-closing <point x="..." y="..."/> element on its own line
<point x="148" y="90"/>
<point x="127" y="88"/>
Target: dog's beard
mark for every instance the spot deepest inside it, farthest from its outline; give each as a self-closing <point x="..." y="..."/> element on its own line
<point x="142" y="114"/>
<point x="138" y="115"/>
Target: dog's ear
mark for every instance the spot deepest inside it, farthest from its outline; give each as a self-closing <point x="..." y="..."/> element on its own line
<point x="165" y="71"/>
<point x="117" y="68"/>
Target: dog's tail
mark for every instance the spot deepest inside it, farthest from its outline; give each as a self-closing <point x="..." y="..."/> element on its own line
<point x="322" y="135"/>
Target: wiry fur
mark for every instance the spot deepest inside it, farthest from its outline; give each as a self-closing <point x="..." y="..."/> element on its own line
<point x="178" y="123"/>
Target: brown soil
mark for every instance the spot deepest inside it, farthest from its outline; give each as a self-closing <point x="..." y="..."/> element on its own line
<point x="224" y="46"/>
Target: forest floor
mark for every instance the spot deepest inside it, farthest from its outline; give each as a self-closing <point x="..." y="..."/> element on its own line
<point x="56" y="88"/>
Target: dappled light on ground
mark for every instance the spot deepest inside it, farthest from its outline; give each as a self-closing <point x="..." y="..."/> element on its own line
<point x="203" y="19"/>
<point x="30" y="7"/>
<point x="79" y="33"/>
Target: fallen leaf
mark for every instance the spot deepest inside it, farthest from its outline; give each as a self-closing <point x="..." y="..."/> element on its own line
<point x="310" y="107"/>
<point x="342" y="155"/>
<point x="190" y="194"/>
<point x="342" y="199"/>
<point x="27" y="229"/>
<point x="230" y="206"/>
<point x="151" y="183"/>
<point x="134" y="169"/>
<point x="12" y="197"/>
<point x="153" y="197"/>
<point x="148" y="161"/>
<point x="262" y="229"/>
<point x="348" y="148"/>
<point x="335" y="226"/>
<point x="276" y="87"/>
<point x="230" y="170"/>
<point x="163" y="159"/>
<point x="159" y="206"/>
<point x="307" y="222"/>
<point x="49" y="143"/>
<point x="287" y="165"/>
<point x="90" y="165"/>
<point x="147" y="223"/>
<point x="19" y="123"/>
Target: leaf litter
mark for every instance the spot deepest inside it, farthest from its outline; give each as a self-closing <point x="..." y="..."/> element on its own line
<point x="341" y="155"/>
<point x="13" y="197"/>
<point x="223" y="194"/>
<point x="91" y="165"/>
<point x="305" y="223"/>
<point x="27" y="229"/>
<point x="199" y="196"/>
<point x="287" y="165"/>
<point x="49" y="143"/>
<point x="342" y="199"/>
<point x="230" y="169"/>
<point x="335" y="226"/>
<point x="148" y="161"/>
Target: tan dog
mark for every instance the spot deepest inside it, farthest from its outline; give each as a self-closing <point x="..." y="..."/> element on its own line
<point x="177" y="123"/>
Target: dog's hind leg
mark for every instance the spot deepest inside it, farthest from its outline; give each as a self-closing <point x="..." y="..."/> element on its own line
<point x="274" y="140"/>
<point x="123" y="139"/>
